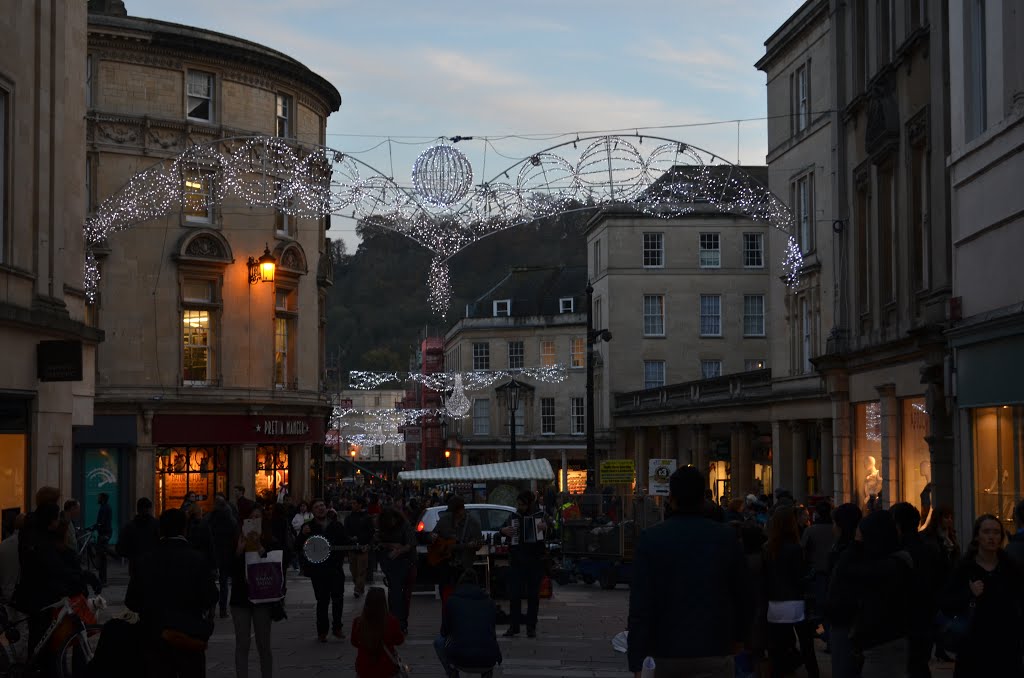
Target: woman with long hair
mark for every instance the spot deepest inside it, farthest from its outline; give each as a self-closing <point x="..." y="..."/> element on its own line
<point x="375" y="633"/>
<point x="247" y="615"/>
<point x="785" y="575"/>
<point x="986" y="588"/>
<point x="398" y="562"/>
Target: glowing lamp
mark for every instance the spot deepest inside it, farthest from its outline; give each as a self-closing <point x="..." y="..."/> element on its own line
<point x="263" y="269"/>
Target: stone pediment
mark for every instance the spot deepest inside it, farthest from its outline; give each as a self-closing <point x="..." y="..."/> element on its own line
<point x="204" y="246"/>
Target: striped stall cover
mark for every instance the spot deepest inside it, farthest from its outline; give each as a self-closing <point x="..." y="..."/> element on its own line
<point x="529" y="469"/>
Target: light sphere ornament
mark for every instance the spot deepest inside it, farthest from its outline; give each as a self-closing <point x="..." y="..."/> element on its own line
<point x="442" y="175"/>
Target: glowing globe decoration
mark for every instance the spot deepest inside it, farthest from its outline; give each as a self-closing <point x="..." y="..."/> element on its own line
<point x="442" y="175"/>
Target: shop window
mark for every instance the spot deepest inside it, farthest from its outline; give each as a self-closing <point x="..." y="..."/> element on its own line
<point x="763" y="478"/>
<point x="719" y="480"/>
<point x="180" y="471"/>
<point x="867" y="451"/>
<point x="271" y="471"/>
<point x="914" y="452"/>
<point x="998" y="445"/>
<point x="101" y="475"/>
<point x="13" y="466"/>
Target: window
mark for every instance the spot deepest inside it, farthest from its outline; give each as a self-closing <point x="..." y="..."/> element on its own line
<point x="547" y="353"/>
<point x="3" y="176"/>
<point x="918" y="209"/>
<point x="285" y="307"/>
<point x="481" y="356"/>
<point x="917" y="14"/>
<point x="886" y="267"/>
<point x="753" y="250"/>
<point x="516" y="355"/>
<point x="200" y="96"/>
<point x="88" y="185"/>
<point x="860" y="62"/>
<point x="597" y="314"/>
<point x="577" y="352"/>
<point x="710" y="315"/>
<point x="182" y="470"/>
<point x="753" y="364"/>
<point x="710" y="252"/>
<point x="198" y="307"/>
<point x="654" y="373"/>
<point x="801" y="103"/>
<point x="997" y="435"/>
<point x="884" y="33"/>
<point x="753" y="315"/>
<point x="88" y="81"/>
<point x="196" y="367"/>
<point x="280" y="352"/>
<point x="805" y="331"/>
<point x="654" y="250"/>
<point x="577" y="417"/>
<point x="863" y="210"/>
<point x="709" y="369"/>
<point x="481" y="417"/>
<point x="654" y="315"/>
<point x="284" y="300"/>
<point x="803" y="201"/>
<point x="547" y="416"/>
<point x="284" y="116"/>
<point x="976" y="70"/>
<point x="502" y="307"/>
<point x="597" y="256"/>
<point x="197" y="202"/>
<point x="566" y="305"/>
<point x="284" y="223"/>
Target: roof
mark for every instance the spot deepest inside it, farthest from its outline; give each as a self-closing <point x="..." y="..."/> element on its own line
<point x="533" y="291"/>
<point x="529" y="469"/>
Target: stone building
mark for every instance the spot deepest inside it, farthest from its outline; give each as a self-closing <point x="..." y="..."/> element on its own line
<point x="209" y="379"/>
<point x="534" y="317"/>
<point x="986" y="163"/>
<point x="49" y="343"/>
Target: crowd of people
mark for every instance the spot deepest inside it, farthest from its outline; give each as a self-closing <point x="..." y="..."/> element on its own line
<point x="750" y="589"/>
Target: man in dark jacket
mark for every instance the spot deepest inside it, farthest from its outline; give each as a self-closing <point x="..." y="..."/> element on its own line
<point x="525" y="532"/>
<point x="172" y="590"/>
<point x="359" y="527"/>
<point x="925" y="587"/>
<point x="221" y="521"/>
<point x="140" y="536"/>
<point x="690" y="603"/>
<point x="328" y="577"/>
<point x="468" y="637"/>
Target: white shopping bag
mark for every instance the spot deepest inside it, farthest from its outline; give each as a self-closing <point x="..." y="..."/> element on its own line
<point x="264" y="576"/>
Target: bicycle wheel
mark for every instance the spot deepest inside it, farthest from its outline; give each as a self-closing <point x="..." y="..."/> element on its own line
<point x="73" y="659"/>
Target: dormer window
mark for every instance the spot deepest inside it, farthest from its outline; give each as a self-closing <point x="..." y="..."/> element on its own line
<point x="566" y="305"/>
<point x="502" y="307"/>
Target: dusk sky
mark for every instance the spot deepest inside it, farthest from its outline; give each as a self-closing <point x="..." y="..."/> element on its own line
<point x="410" y="72"/>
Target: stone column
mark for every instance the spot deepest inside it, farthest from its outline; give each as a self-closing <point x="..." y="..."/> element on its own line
<point x="842" y="447"/>
<point x="700" y="451"/>
<point x="782" y="456"/>
<point x="940" y="436"/>
<point x="639" y="452"/>
<point x="298" y="470"/>
<point x="798" y="468"/>
<point x="667" y="450"/>
<point x="743" y="477"/>
<point x="890" y="463"/>
<point x="145" y="472"/>
<point x="827" y="479"/>
<point x="684" y="445"/>
<point x="247" y="468"/>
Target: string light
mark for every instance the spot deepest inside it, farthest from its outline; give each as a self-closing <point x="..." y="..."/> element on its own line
<point x="445" y="381"/>
<point x="443" y="211"/>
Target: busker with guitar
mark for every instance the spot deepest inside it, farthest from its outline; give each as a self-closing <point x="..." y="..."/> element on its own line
<point x="525" y="532"/>
<point x="327" y="576"/>
<point x="455" y="541"/>
<point x="397" y="557"/>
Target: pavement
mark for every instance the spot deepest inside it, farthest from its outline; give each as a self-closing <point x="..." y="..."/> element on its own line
<point x="575" y="629"/>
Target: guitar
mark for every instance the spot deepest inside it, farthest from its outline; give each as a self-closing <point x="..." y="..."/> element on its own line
<point x="443" y="550"/>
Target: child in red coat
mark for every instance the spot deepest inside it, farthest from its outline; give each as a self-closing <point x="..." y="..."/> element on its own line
<point x="375" y="634"/>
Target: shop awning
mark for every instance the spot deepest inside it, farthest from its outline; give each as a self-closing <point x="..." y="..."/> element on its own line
<point x="530" y="469"/>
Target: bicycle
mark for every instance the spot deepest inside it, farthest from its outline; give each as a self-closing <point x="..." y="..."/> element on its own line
<point x="64" y="650"/>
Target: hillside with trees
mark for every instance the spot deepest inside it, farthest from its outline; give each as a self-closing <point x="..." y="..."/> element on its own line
<point x="378" y="305"/>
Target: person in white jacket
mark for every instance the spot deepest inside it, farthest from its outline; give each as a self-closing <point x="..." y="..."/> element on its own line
<point x="301" y="518"/>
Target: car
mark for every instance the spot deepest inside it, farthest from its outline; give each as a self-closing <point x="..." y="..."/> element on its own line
<point x="491" y="516"/>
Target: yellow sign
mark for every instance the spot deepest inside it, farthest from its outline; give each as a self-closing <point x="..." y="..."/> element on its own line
<point x="617" y="472"/>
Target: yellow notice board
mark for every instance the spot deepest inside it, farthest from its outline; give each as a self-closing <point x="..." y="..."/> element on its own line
<point x="617" y="472"/>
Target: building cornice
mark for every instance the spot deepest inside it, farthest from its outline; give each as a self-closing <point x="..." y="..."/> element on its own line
<point x="801" y="20"/>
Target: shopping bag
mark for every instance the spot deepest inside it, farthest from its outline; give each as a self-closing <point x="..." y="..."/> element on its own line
<point x="545" y="587"/>
<point x="264" y="576"/>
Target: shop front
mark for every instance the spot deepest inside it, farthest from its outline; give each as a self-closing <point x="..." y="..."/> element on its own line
<point x="102" y="462"/>
<point x="203" y="455"/>
<point x="891" y="457"/>
<point x="14" y="441"/>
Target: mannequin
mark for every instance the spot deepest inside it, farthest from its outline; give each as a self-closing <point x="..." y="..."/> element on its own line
<point x="872" y="482"/>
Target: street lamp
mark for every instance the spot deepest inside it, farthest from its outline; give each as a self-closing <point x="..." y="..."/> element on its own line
<point x="444" y="438"/>
<point x="262" y="269"/>
<point x="592" y="337"/>
<point x="512" y="392"/>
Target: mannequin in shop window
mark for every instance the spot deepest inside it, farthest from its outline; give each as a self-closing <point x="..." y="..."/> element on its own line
<point x="872" y="484"/>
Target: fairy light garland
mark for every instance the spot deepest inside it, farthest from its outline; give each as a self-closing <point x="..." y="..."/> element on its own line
<point x="443" y="211"/>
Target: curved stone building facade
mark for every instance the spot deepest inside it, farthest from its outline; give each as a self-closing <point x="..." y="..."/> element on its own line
<point x="208" y="380"/>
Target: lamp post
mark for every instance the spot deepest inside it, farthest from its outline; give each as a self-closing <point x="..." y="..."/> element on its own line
<point x="444" y="440"/>
<point x="512" y="392"/>
<point x="592" y="337"/>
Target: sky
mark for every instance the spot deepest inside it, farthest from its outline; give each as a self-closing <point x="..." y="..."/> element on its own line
<point x="518" y="77"/>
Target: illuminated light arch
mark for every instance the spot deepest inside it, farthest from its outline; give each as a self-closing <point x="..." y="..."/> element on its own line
<point x="310" y="181"/>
